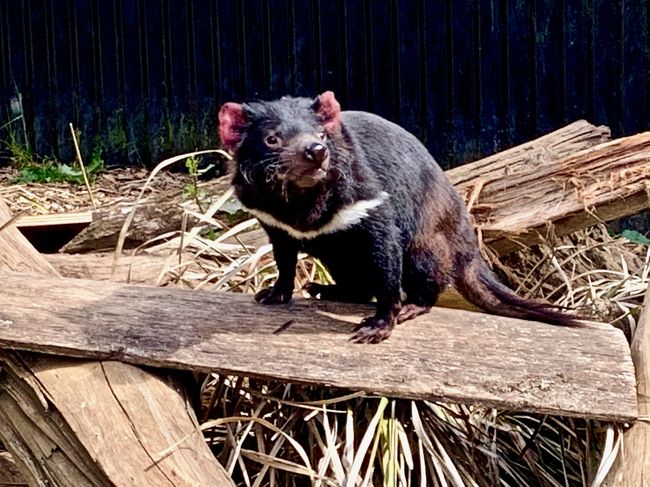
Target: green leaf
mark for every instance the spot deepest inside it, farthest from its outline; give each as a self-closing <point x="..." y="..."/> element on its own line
<point x="635" y="237"/>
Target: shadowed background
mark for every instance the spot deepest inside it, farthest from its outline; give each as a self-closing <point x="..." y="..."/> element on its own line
<point x="143" y="79"/>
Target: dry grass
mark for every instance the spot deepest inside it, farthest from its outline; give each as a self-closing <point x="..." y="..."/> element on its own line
<point x="603" y="277"/>
<point x="278" y="434"/>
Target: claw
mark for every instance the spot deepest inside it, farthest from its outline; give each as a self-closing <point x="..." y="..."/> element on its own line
<point x="272" y="295"/>
<point x="372" y="330"/>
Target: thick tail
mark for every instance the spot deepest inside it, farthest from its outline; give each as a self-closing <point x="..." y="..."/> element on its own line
<point x="481" y="287"/>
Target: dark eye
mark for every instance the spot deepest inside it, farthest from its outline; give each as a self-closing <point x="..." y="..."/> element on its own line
<point x="321" y="135"/>
<point x="272" y="140"/>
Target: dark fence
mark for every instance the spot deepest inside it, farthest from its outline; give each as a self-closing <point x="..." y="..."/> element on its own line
<point x="144" y="79"/>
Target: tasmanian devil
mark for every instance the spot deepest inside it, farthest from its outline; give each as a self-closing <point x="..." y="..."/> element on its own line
<point x="366" y="198"/>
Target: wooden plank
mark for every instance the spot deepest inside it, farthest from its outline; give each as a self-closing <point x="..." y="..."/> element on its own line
<point x="448" y="355"/>
<point x="632" y="467"/>
<point x="99" y="267"/>
<point x="62" y="419"/>
<point x="55" y="219"/>
<point x="16" y="253"/>
<point x="147" y="269"/>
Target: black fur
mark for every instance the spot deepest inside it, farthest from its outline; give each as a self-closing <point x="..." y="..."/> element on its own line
<point x="418" y="240"/>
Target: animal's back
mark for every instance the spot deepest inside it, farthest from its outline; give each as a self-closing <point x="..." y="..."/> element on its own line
<point x="418" y="187"/>
<point x="388" y="148"/>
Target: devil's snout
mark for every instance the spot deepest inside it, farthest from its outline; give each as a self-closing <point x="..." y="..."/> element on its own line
<point x="316" y="152"/>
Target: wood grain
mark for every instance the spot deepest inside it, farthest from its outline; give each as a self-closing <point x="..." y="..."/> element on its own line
<point x="601" y="183"/>
<point x="449" y="355"/>
<point x="141" y="268"/>
<point x="55" y="219"/>
<point x="555" y="145"/>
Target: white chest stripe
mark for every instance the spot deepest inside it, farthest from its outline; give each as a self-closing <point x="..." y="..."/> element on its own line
<point x="344" y="218"/>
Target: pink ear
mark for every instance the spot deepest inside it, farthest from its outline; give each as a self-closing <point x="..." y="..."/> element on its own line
<point x="232" y="121"/>
<point x="329" y="111"/>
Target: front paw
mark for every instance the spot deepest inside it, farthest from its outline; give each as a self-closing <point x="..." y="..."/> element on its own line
<point x="373" y="330"/>
<point x="273" y="295"/>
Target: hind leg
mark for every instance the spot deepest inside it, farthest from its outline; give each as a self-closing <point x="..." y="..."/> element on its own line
<point x="420" y="283"/>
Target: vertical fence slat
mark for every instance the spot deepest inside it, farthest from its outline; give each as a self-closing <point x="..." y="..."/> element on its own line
<point x="607" y="64"/>
<point x="549" y="39"/>
<point x="407" y="64"/>
<point x="307" y="60"/>
<point x="134" y="68"/>
<point x="234" y="66"/>
<point x="436" y="80"/>
<point x="60" y="37"/>
<point x="381" y="52"/>
<point x="578" y="45"/>
<point x="357" y="59"/>
<point x="280" y="48"/>
<point x="521" y="58"/>
<point x="39" y="61"/>
<point x="332" y="49"/>
<point x="635" y="71"/>
<point x="465" y="110"/>
<point x="205" y="84"/>
<point x="493" y="78"/>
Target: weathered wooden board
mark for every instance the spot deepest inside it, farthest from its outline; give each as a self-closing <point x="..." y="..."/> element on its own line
<point x="142" y="268"/>
<point x="55" y="219"/>
<point x="632" y="467"/>
<point x="81" y="423"/>
<point x="448" y="354"/>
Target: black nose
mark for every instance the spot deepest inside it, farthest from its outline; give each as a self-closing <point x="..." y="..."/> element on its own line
<point x="316" y="152"/>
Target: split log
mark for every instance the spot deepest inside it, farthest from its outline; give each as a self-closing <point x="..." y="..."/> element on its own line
<point x="162" y="213"/>
<point x="598" y="184"/>
<point x="62" y="419"/>
<point x="555" y="145"/>
<point x="159" y="214"/>
<point x="632" y="467"/>
<point x="447" y="355"/>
